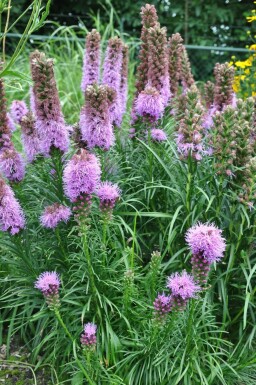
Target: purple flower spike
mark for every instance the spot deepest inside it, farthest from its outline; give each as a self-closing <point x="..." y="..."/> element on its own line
<point x="108" y="193"/>
<point x="50" y="123"/>
<point x="81" y="175"/>
<point x="112" y="76"/>
<point x="91" y="67"/>
<point x="18" y="110"/>
<point x="10" y="123"/>
<point x="12" y="165"/>
<point x="54" y="214"/>
<point x="162" y="306"/>
<point x="149" y="103"/>
<point x="29" y="136"/>
<point x="183" y="287"/>
<point x="158" y="135"/>
<point x="12" y="218"/>
<point x="95" y="121"/>
<point x="206" y="240"/>
<point x="48" y="283"/>
<point x="88" y="337"/>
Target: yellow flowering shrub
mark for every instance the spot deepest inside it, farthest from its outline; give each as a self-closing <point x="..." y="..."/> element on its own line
<point x="245" y="75"/>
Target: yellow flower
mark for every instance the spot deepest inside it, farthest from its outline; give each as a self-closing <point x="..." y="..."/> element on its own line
<point x="253" y="93"/>
<point x="247" y="71"/>
<point x="250" y="19"/>
<point x="253" y="47"/>
<point x="243" y="64"/>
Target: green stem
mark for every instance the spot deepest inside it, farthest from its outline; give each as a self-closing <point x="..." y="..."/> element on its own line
<point x="57" y="232"/>
<point x="133" y="242"/>
<point x="104" y="241"/>
<point x="190" y="325"/>
<point x="89" y="263"/>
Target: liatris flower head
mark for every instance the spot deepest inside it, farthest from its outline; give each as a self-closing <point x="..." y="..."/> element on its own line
<point x="206" y="240"/>
<point x="10" y="123"/>
<point x="18" y="110"/>
<point x="223" y="90"/>
<point x="162" y="306"/>
<point x="149" y="104"/>
<point x="12" y="165"/>
<point x="175" y="60"/>
<point x="55" y="214"/>
<point x="158" y="75"/>
<point x="88" y="337"/>
<point x="108" y="194"/>
<point x="158" y="135"/>
<point x="124" y="78"/>
<point x="91" y="67"/>
<point x="48" y="283"/>
<point x="50" y="123"/>
<point x="29" y="136"/>
<point x="187" y="79"/>
<point x="209" y="94"/>
<point x="5" y="127"/>
<point x="95" y="121"/>
<point x="149" y="19"/>
<point x="112" y="76"/>
<point x="183" y="287"/>
<point x="81" y="175"/>
<point x="12" y="218"/>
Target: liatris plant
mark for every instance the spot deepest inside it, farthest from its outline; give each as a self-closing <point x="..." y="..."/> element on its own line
<point x="91" y="67"/>
<point x="18" y="110"/>
<point x="55" y="214"/>
<point x="187" y="79"/>
<point x="207" y="246"/>
<point x="149" y="20"/>
<point x="50" y="123"/>
<point x="149" y="105"/>
<point x="158" y="75"/>
<point x="190" y="130"/>
<point x="95" y="121"/>
<point x="5" y="131"/>
<point x="88" y="337"/>
<point x="124" y="78"/>
<point x="209" y="94"/>
<point x="223" y="90"/>
<point x="112" y="76"/>
<point x="48" y="283"/>
<point x="29" y="136"/>
<point x="108" y="194"/>
<point x="12" y="218"/>
<point x="81" y="177"/>
<point x="162" y="306"/>
<point x="158" y="135"/>
<point x="175" y="51"/>
<point x="128" y="289"/>
<point x="12" y="164"/>
<point x="183" y="287"/>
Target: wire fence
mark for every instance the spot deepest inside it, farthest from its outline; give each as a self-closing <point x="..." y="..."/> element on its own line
<point x="202" y="58"/>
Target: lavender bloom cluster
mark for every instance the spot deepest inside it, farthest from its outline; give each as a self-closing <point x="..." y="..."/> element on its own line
<point x="55" y="214"/>
<point x="91" y="66"/>
<point x="50" y="123"/>
<point x="88" y="337"/>
<point x="48" y="283"/>
<point x="12" y="218"/>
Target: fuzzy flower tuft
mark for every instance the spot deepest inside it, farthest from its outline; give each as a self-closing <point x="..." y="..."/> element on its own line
<point x="206" y="240"/>
<point x="48" y="283"/>
<point x="12" y="165"/>
<point x="54" y="214"/>
<point x="149" y="103"/>
<point x="88" y="337"/>
<point x="12" y="218"/>
<point x="81" y="175"/>
<point x="162" y="305"/>
<point x="18" y="110"/>
<point x="108" y="193"/>
<point x="91" y="67"/>
<point x="182" y="285"/>
<point x="158" y="135"/>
